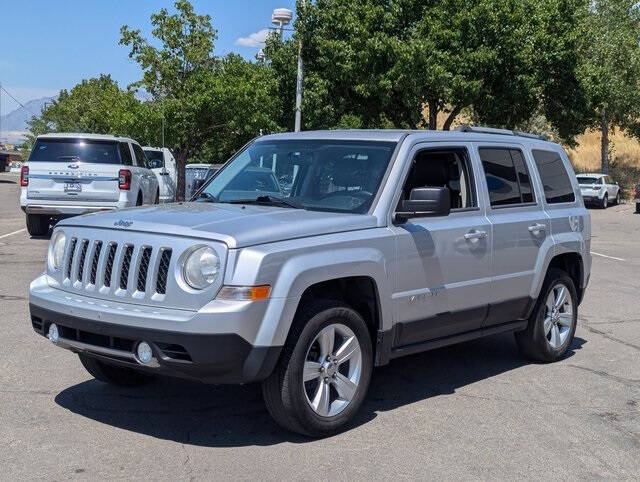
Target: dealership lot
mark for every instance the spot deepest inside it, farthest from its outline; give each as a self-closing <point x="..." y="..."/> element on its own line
<point x="472" y="410"/>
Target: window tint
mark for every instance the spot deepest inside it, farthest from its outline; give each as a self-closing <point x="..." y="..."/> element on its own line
<point x="507" y="176"/>
<point x="155" y="158"/>
<point x="555" y="178"/>
<point x="125" y="154"/>
<point x="74" y="150"/>
<point x="141" y="159"/>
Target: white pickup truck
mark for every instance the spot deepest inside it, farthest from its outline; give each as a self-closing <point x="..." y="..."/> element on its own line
<point x="69" y="174"/>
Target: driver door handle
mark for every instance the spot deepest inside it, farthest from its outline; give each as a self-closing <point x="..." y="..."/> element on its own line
<point x="475" y="234"/>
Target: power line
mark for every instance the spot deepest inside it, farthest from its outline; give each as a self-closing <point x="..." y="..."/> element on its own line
<point x="16" y="100"/>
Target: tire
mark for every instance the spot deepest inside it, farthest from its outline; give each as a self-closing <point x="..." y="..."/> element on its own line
<point x="157" y="199"/>
<point x="604" y="204"/>
<point x="535" y="342"/>
<point x="617" y="201"/>
<point x="637" y="208"/>
<point x="288" y="398"/>
<point x="114" y="375"/>
<point x="37" y="224"/>
<point x="139" y="200"/>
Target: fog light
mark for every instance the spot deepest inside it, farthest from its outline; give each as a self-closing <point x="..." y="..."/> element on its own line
<point x="53" y="333"/>
<point x="144" y="353"/>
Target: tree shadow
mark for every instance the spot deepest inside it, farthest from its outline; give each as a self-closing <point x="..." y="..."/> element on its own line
<point x="235" y="415"/>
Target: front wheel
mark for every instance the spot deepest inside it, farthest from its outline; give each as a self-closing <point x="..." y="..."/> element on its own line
<point x="618" y="199"/>
<point x="324" y="371"/>
<point x="637" y="208"/>
<point x="114" y="375"/>
<point x="553" y="321"/>
<point x="605" y="202"/>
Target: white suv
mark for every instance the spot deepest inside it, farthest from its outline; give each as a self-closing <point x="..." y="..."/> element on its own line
<point x="70" y="174"/>
<point x="599" y="189"/>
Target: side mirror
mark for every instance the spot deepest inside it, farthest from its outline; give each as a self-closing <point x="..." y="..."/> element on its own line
<point x="426" y="201"/>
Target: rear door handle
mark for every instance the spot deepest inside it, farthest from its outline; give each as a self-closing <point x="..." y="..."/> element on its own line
<point x="537" y="228"/>
<point x="473" y="235"/>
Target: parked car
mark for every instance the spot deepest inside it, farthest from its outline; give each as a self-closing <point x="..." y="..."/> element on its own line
<point x="196" y="175"/>
<point x="163" y="165"/>
<point x="599" y="189"/>
<point x="389" y="243"/>
<point x="71" y="174"/>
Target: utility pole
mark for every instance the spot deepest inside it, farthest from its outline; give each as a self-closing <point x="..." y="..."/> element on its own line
<point x="299" y="90"/>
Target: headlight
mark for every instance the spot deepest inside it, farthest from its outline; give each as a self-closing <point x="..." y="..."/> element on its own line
<point x="56" y="249"/>
<point x="201" y="267"/>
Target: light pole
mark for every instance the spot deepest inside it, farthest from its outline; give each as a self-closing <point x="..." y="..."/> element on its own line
<point x="281" y="17"/>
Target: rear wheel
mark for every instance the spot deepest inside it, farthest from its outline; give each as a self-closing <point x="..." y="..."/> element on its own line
<point x="324" y="371"/>
<point x="618" y="198"/>
<point x="113" y="375"/>
<point x="37" y="224"/>
<point x="638" y="208"/>
<point x="553" y="321"/>
<point x="604" y="204"/>
<point x="139" y="200"/>
<point x="157" y="199"/>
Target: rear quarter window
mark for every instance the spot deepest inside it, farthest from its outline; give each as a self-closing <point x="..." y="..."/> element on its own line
<point x="554" y="176"/>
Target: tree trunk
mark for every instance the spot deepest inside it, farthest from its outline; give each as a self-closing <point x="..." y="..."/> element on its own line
<point x="452" y="116"/>
<point x="604" y="145"/>
<point x="181" y="162"/>
<point x="433" y="114"/>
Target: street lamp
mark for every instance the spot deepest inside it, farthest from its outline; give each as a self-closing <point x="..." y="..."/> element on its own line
<point x="281" y="17"/>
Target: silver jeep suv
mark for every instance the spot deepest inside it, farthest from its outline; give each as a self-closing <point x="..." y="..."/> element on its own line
<point x="312" y="257"/>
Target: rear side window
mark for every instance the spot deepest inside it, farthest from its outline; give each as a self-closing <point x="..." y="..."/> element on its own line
<point x="141" y="159"/>
<point x="155" y="158"/>
<point x="555" y="178"/>
<point x="125" y="154"/>
<point x="75" y="150"/>
<point x="507" y="176"/>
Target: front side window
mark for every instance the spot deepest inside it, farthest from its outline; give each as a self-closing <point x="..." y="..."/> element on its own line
<point x="507" y="176"/>
<point x="324" y="175"/>
<point x="555" y="178"/>
<point x="155" y="159"/>
<point x="71" y="150"/>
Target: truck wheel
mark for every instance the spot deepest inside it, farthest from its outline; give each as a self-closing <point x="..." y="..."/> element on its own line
<point x="324" y="371"/>
<point x="553" y="321"/>
<point x="157" y="199"/>
<point x="637" y="208"/>
<point x="605" y="202"/>
<point x="139" y="200"/>
<point x="113" y="375"/>
<point x="37" y="224"/>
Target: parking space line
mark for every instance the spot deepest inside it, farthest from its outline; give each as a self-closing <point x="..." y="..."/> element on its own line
<point x="11" y="234"/>
<point x="607" y="256"/>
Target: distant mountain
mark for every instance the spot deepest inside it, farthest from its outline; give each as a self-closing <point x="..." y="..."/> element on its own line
<point x="13" y="126"/>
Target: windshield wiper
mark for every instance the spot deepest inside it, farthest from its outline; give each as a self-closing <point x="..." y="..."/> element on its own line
<point x="267" y="199"/>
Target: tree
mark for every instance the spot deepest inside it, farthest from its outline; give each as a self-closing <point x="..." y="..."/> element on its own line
<point x="610" y="67"/>
<point x="99" y="106"/>
<point x="172" y="74"/>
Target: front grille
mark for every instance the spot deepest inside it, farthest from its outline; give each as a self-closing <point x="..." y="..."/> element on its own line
<point x="94" y="263"/>
<point x="83" y="255"/>
<point x="108" y="269"/>
<point x="126" y="263"/>
<point x="144" y="268"/>
<point x="72" y="250"/>
<point x="163" y="271"/>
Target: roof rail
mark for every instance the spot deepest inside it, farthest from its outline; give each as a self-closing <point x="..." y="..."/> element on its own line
<point x="504" y="132"/>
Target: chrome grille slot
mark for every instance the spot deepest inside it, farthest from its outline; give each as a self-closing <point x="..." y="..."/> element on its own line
<point x="72" y="250"/>
<point x="108" y="269"/>
<point x="163" y="272"/>
<point x="83" y="255"/>
<point x="126" y="264"/>
<point x="145" y="257"/>
<point x="94" y="263"/>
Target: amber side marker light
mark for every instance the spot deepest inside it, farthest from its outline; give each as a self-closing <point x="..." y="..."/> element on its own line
<point x="244" y="293"/>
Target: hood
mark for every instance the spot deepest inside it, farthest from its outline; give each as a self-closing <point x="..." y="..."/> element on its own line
<point x="236" y="225"/>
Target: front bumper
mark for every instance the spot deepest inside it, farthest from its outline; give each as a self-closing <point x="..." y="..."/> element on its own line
<point x="209" y="358"/>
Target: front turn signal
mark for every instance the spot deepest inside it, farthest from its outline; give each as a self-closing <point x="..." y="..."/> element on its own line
<point x="244" y="293"/>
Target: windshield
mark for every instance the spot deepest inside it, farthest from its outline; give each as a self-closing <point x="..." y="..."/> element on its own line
<point x="587" y="180"/>
<point x="75" y="150"/>
<point x="324" y="175"/>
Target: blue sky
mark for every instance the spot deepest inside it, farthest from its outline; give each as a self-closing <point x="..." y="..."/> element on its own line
<point x="49" y="45"/>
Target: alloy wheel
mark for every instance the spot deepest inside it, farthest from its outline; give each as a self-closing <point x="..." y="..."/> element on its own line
<point x="558" y="316"/>
<point x="332" y="370"/>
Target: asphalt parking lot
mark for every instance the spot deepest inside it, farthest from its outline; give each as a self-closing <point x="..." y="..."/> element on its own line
<point x="476" y="410"/>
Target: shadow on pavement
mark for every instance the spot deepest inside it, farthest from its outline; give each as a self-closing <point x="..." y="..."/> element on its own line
<point x="231" y="416"/>
<point x="7" y="181"/>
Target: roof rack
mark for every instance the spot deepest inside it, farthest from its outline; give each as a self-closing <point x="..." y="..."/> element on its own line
<point x="504" y="132"/>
